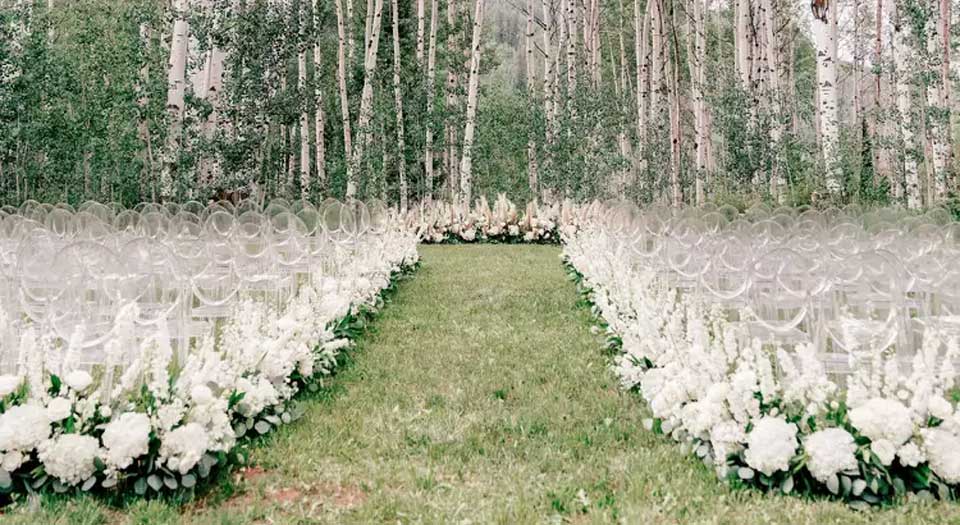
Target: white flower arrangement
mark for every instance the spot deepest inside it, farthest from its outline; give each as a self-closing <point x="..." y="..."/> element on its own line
<point x="771" y="415"/>
<point x="503" y="222"/>
<point x="97" y="430"/>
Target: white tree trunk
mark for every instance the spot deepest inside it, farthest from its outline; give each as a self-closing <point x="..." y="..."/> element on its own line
<point x="431" y="80"/>
<point x="319" y="122"/>
<point x="176" y="90"/>
<point x="302" y="96"/>
<point x="937" y="96"/>
<point x="825" y="38"/>
<point x="351" y="44"/>
<point x="696" y="53"/>
<point x="902" y="56"/>
<point x="778" y="182"/>
<point x="466" y="162"/>
<point x="421" y="25"/>
<point x="550" y="63"/>
<point x="344" y="100"/>
<point x="532" y="92"/>
<point x="398" y="101"/>
<point x="642" y="30"/>
<point x="365" y="113"/>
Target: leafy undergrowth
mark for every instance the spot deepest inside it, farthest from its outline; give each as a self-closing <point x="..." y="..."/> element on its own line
<point x="479" y="395"/>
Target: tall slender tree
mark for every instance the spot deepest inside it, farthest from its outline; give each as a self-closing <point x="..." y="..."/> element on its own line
<point x="466" y="162"/>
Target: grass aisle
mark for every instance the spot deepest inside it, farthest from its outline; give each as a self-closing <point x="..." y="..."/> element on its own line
<point x="481" y="397"/>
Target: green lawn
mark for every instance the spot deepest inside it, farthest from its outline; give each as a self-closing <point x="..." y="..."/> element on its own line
<point x="480" y="397"/>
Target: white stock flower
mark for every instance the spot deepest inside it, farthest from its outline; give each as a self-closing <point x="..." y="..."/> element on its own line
<point x="885" y="450"/>
<point x="23" y="427"/>
<point x="78" y="380"/>
<point x="182" y="448"/>
<point x="70" y="457"/>
<point x="941" y="448"/>
<point x="9" y="384"/>
<point x="126" y="438"/>
<point x="881" y="418"/>
<point x="11" y="461"/>
<point x="59" y="409"/>
<point x="771" y="444"/>
<point x="201" y="394"/>
<point x="830" y="451"/>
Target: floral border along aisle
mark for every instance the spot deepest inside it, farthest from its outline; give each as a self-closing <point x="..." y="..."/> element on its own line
<point x="169" y="426"/>
<point x="778" y="425"/>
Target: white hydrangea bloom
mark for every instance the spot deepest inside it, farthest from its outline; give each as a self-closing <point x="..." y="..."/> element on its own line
<point x="941" y="448"/>
<point x="70" y="457"/>
<point x="126" y="438"/>
<point x="830" y="451"/>
<point x="881" y="418"/>
<point x="182" y="448"/>
<point x="910" y="455"/>
<point x="771" y="444"/>
<point x="939" y="407"/>
<point x="23" y="428"/>
<point x="885" y="451"/>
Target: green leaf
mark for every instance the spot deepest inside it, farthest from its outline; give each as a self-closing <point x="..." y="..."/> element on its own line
<point x="171" y="482"/>
<point x="155" y="482"/>
<point x="140" y="486"/>
<point x="5" y="480"/>
<point x="787" y="485"/>
<point x="833" y="484"/>
<point x="188" y="480"/>
<point x="262" y="427"/>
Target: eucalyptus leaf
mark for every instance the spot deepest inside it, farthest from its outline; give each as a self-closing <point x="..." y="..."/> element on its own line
<point x="109" y="483"/>
<point x="5" y="480"/>
<point x="833" y="484"/>
<point x="171" y="482"/>
<point x="262" y="427"/>
<point x="745" y="473"/>
<point x="858" y="487"/>
<point x="188" y="480"/>
<point x="787" y="485"/>
<point x="89" y="483"/>
<point x="59" y="487"/>
<point x="155" y="482"/>
<point x="845" y="485"/>
<point x="140" y="486"/>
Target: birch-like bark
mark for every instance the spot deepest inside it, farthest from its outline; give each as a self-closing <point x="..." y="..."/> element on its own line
<point x="696" y="53"/>
<point x="938" y="111"/>
<point x="351" y="44"/>
<point x="550" y="64"/>
<point x="421" y="26"/>
<point x="176" y="89"/>
<point x="302" y="96"/>
<point x="450" y="131"/>
<point x="532" y="92"/>
<point x="398" y="101"/>
<point x="344" y="100"/>
<point x="825" y="38"/>
<point x="319" y="117"/>
<point x="642" y="30"/>
<point x="902" y="56"/>
<point x="431" y="80"/>
<point x="673" y="59"/>
<point x="778" y="182"/>
<point x="365" y="113"/>
<point x="466" y="163"/>
<point x="571" y="53"/>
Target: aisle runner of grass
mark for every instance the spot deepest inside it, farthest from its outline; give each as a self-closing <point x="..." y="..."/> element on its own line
<point x="480" y="396"/>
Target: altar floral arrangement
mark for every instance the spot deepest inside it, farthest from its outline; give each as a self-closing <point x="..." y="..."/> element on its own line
<point x="504" y="222"/>
<point x="775" y="417"/>
<point x="164" y="421"/>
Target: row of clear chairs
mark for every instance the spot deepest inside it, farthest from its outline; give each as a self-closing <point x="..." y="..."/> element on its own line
<point x="70" y="271"/>
<point x="849" y="281"/>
